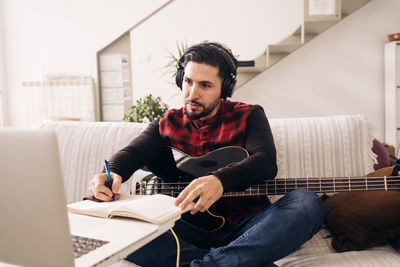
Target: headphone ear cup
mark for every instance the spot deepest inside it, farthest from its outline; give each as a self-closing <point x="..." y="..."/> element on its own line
<point x="227" y="88"/>
<point x="180" y="72"/>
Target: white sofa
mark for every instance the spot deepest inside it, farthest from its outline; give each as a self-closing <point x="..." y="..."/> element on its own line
<point x="337" y="146"/>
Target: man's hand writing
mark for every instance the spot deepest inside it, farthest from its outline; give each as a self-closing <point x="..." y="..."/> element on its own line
<point x="208" y="188"/>
<point x="99" y="186"/>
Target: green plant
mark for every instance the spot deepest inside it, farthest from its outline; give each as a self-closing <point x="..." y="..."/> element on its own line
<point x="146" y="109"/>
<point x="173" y="62"/>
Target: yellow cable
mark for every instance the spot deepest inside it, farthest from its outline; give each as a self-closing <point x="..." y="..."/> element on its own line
<point x="178" y="248"/>
<point x="217" y="216"/>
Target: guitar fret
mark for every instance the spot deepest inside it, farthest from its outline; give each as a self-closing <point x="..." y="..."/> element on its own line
<point x="384" y="179"/>
<point x="285" y="188"/>
<point x="334" y="185"/>
<point x="320" y="186"/>
<point x="349" y="184"/>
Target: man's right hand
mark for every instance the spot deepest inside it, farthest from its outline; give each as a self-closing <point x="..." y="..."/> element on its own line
<point x="99" y="186"/>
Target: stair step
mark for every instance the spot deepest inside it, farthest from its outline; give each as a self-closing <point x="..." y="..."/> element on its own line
<point x="244" y="77"/>
<point x="274" y="58"/>
<point x="251" y="69"/>
<point x="317" y="27"/>
<point x="349" y="7"/>
<point x="260" y="64"/>
<point x="307" y="36"/>
<point x="282" y="48"/>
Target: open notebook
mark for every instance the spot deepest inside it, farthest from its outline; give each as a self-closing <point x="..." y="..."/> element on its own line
<point x="156" y="209"/>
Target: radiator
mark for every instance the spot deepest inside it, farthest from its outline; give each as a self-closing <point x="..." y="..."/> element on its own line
<point x="61" y="99"/>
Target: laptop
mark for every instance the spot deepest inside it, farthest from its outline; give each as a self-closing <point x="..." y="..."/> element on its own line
<point x="35" y="227"/>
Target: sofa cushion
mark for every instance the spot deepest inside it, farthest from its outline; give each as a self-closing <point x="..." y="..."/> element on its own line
<point x="333" y="146"/>
<point x="83" y="147"/>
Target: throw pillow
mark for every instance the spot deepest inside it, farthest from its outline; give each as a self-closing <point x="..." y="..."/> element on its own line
<point x="383" y="157"/>
<point x="363" y="219"/>
<point x="387" y="171"/>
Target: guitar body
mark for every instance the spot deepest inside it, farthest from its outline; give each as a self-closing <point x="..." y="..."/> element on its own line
<point x="187" y="168"/>
<point x="200" y="166"/>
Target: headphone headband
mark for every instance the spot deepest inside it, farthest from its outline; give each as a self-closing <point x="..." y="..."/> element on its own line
<point x="229" y="80"/>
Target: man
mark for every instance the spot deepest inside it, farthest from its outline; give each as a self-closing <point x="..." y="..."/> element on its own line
<point x="254" y="234"/>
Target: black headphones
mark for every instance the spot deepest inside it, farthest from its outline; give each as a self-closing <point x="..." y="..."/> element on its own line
<point x="229" y="81"/>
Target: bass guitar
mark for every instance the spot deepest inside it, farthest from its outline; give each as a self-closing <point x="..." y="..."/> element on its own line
<point x="227" y="156"/>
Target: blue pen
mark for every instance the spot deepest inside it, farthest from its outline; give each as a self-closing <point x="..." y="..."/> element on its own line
<point x="108" y="177"/>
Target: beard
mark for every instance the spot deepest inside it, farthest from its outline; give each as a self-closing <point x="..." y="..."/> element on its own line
<point x="202" y="110"/>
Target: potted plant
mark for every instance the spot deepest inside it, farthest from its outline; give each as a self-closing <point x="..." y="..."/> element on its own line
<point x="173" y="62"/>
<point x="146" y="109"/>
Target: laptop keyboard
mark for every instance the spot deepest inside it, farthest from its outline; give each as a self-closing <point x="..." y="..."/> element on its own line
<point x="83" y="245"/>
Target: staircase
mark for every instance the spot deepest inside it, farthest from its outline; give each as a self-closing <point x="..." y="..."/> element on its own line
<point x="311" y="26"/>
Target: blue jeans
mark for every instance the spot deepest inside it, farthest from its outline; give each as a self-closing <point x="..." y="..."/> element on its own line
<point x="258" y="240"/>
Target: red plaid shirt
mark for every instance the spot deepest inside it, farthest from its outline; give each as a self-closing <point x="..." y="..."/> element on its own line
<point x="226" y="128"/>
<point x="235" y="124"/>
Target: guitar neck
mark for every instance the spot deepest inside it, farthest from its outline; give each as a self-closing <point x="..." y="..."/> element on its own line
<point x="281" y="186"/>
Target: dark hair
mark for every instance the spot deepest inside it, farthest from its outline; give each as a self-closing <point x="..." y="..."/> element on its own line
<point x="213" y="54"/>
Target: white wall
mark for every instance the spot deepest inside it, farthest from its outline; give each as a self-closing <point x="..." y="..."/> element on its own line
<point x="3" y="96"/>
<point x="245" y="26"/>
<point x="339" y="72"/>
<point x="60" y="37"/>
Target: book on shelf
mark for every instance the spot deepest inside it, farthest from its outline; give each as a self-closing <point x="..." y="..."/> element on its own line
<point x="156" y="209"/>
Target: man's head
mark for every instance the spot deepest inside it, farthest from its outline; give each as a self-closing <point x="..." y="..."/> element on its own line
<point x="206" y="73"/>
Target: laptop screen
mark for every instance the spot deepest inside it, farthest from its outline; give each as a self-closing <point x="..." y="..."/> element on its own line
<point x="34" y="225"/>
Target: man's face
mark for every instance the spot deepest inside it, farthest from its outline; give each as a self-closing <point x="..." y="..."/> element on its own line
<point x="202" y="90"/>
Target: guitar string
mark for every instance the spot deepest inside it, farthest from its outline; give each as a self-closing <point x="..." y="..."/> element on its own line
<point x="179" y="187"/>
<point x="301" y="186"/>
<point x="282" y="183"/>
<point x="255" y="191"/>
<point x="309" y="181"/>
<point x="314" y="184"/>
<point x="363" y="178"/>
<point x="284" y="191"/>
<point x="313" y="180"/>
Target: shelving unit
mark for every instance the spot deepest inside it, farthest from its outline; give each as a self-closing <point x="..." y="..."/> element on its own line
<point x="392" y="93"/>
<point x="114" y="71"/>
<point x="115" y="85"/>
<point x="312" y="26"/>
